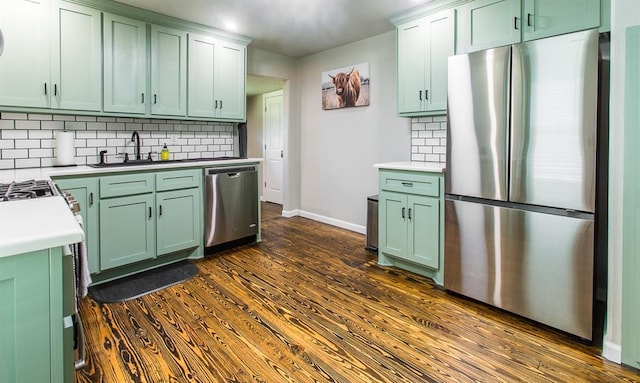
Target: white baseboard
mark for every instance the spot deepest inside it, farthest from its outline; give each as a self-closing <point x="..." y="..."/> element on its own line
<point x="290" y="213"/>
<point x="333" y="222"/>
<point x="612" y="351"/>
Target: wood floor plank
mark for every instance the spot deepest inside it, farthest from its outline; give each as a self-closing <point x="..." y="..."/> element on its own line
<point x="310" y="304"/>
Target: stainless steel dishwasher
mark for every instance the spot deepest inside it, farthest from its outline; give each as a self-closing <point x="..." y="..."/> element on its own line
<point x="231" y="204"/>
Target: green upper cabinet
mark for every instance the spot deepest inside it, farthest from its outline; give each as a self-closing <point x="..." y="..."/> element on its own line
<point x="486" y="24"/>
<point x="424" y="46"/>
<point x="25" y="62"/>
<point x="216" y="78"/>
<point x="125" y="63"/>
<point x="202" y="55"/>
<point x="168" y="71"/>
<point x="231" y="78"/>
<point x="543" y="18"/>
<point x="76" y="68"/>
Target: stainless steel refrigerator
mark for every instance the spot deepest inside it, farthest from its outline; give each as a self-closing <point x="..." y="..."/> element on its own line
<point x="521" y="178"/>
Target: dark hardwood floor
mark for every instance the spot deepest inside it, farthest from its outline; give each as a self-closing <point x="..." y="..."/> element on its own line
<point x="309" y="304"/>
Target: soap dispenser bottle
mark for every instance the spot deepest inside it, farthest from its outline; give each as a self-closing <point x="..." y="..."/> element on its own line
<point x="164" y="154"/>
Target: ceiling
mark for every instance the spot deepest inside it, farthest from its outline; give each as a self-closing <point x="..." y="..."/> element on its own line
<point x="295" y="28"/>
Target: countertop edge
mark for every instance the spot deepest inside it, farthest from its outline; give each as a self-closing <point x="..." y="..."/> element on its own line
<point x="431" y="167"/>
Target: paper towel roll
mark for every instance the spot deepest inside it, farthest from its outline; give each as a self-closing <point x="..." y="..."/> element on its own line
<point x="65" y="150"/>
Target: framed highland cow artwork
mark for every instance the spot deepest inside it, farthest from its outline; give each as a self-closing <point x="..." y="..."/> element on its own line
<point x="346" y="87"/>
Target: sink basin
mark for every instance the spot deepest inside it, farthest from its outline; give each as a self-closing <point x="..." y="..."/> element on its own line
<point x="148" y="162"/>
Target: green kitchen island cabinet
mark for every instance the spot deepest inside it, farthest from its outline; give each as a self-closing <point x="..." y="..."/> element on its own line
<point x="85" y="191"/>
<point x="36" y="331"/>
<point x="424" y="44"/>
<point x="411" y="215"/>
<point x="484" y="24"/>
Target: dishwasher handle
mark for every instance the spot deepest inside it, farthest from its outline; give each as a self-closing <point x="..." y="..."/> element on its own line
<point x="232" y="172"/>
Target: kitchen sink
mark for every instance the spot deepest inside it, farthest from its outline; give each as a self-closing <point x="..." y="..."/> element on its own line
<point x="150" y="162"/>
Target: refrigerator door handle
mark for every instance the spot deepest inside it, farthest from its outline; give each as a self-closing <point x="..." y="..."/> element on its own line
<point x="517" y="137"/>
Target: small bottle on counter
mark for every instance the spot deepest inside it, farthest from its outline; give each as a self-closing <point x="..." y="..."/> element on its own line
<point x="164" y="154"/>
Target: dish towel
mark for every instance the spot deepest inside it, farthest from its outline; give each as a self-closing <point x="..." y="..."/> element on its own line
<point x="84" y="278"/>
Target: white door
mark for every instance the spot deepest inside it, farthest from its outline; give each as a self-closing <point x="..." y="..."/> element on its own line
<point x="273" y="146"/>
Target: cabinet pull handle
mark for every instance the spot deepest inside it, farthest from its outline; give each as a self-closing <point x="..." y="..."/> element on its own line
<point x="160" y="213"/>
<point x="407" y="184"/>
<point x="142" y="98"/>
<point x="529" y="23"/>
<point x="515" y="23"/>
<point x="90" y="199"/>
<point x="403" y="213"/>
<point x="45" y="88"/>
<point x="55" y="89"/>
<point x="409" y="214"/>
<point x="220" y="104"/>
<point x="155" y="98"/>
<point x="420" y="96"/>
<point x="216" y="107"/>
<point x="426" y="94"/>
<point x="149" y="212"/>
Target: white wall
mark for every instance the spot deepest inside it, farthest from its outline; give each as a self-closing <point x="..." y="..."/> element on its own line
<point x="624" y="13"/>
<point x="255" y="135"/>
<point x="267" y="64"/>
<point x="339" y="147"/>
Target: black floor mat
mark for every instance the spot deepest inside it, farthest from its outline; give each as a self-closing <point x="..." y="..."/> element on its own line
<point x="140" y="284"/>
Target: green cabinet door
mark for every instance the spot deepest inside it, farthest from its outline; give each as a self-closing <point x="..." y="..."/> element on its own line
<point x="178" y="222"/>
<point x="76" y="61"/>
<point x="486" y="24"/>
<point x="543" y="18"/>
<point x="125" y="63"/>
<point x="168" y="71"/>
<point x="25" y="324"/>
<point x="441" y="45"/>
<point x="230" y="79"/>
<point x="424" y="230"/>
<point x="127" y="230"/>
<point x="202" y="55"/>
<point x="392" y="225"/>
<point x="85" y="191"/>
<point x="424" y="46"/>
<point x="25" y="62"/>
<point x="412" y="58"/>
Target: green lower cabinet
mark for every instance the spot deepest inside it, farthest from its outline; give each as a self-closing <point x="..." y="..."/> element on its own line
<point x="30" y="300"/>
<point x="410" y="227"/>
<point x="127" y="230"/>
<point x="178" y="221"/>
<point x="85" y="191"/>
<point x="411" y="221"/>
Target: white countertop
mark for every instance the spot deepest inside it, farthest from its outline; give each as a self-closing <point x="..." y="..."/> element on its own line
<point x="36" y="224"/>
<point x="433" y="167"/>
<point x="47" y="173"/>
<point x="42" y="223"/>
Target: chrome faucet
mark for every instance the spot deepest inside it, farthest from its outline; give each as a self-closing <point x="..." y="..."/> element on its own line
<point x="136" y="137"/>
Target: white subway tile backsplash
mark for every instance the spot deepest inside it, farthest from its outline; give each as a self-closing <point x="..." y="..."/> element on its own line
<point x="28" y="140"/>
<point x="25" y="124"/>
<point x="429" y="139"/>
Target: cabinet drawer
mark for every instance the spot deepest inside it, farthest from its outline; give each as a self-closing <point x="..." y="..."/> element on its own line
<point x="126" y="184"/>
<point x="179" y="179"/>
<point x="410" y="182"/>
